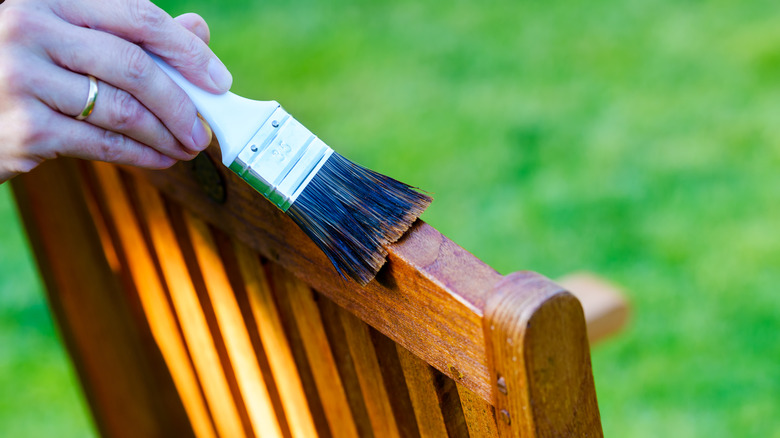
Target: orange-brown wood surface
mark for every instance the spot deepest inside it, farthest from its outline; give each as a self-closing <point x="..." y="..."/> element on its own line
<point x="234" y="331"/>
<point x="90" y="307"/>
<point x="425" y="272"/>
<point x="479" y="414"/>
<point x="369" y="373"/>
<point x="190" y="314"/>
<point x="229" y="322"/>
<point x="307" y="318"/>
<point x="539" y="357"/>
<point x="135" y="255"/>
<point x="272" y="335"/>
<point x="422" y="391"/>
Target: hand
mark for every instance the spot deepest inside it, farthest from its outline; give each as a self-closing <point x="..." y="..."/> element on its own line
<point x="140" y="117"/>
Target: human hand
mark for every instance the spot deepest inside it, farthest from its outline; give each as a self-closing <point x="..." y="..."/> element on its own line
<point x="141" y="117"/>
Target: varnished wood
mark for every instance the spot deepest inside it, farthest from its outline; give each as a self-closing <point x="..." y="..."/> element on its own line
<point x="233" y="330"/>
<point x="190" y="314"/>
<point x="305" y="314"/>
<point x="345" y="364"/>
<point x="277" y="344"/>
<point x="425" y="273"/>
<point x="422" y="391"/>
<point x="136" y="256"/>
<point x="605" y="306"/>
<point x="282" y="363"/>
<point x="369" y="373"/>
<point x="90" y="308"/>
<point x="539" y="355"/>
<point x="479" y="414"/>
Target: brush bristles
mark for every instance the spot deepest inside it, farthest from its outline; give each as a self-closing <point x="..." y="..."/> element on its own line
<point x="351" y="213"/>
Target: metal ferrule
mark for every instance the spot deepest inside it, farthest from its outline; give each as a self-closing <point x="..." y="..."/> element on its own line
<point x="281" y="159"/>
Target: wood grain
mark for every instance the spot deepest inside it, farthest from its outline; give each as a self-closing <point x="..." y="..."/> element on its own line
<point x="136" y="257"/>
<point x="189" y="312"/>
<point x="282" y="363"/>
<point x="234" y="332"/>
<point x="422" y="392"/>
<point x="425" y="272"/>
<point x="538" y="348"/>
<point x="90" y="308"/>
<point x="334" y="330"/>
<point x="369" y="373"/>
<point x="342" y="361"/>
<point x="304" y="312"/>
<point x="479" y="414"/>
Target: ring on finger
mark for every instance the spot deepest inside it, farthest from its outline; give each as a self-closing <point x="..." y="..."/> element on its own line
<point x="91" y="98"/>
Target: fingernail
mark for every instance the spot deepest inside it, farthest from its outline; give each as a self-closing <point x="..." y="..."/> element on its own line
<point x="220" y="75"/>
<point x="201" y="133"/>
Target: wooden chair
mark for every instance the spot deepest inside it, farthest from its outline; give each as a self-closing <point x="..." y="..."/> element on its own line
<point x="191" y="307"/>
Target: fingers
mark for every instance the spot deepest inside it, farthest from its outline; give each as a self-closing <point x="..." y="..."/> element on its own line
<point x="126" y="66"/>
<point x="44" y="134"/>
<point x="89" y="142"/>
<point x="195" y="24"/>
<point x="142" y="22"/>
<point x="141" y="117"/>
<point x="114" y="109"/>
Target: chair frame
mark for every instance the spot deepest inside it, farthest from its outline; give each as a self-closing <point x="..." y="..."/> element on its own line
<point x="514" y="348"/>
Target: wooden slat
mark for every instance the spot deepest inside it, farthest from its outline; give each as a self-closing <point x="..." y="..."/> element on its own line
<point x="90" y="307"/>
<point x="537" y="347"/>
<point x="450" y="405"/>
<point x="426" y="272"/>
<point x="334" y="330"/>
<point x="528" y="353"/>
<point x="395" y="384"/>
<point x="272" y="335"/>
<point x="233" y="330"/>
<point x="303" y="310"/>
<point x="138" y="261"/>
<point x="422" y="391"/>
<point x="190" y="314"/>
<point x="479" y="414"/>
<point x="369" y="374"/>
<point x="605" y="306"/>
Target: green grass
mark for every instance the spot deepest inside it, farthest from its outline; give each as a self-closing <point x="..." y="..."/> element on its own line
<point x="637" y="139"/>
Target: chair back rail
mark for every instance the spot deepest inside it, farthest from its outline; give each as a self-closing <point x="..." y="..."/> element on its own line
<point x="225" y="320"/>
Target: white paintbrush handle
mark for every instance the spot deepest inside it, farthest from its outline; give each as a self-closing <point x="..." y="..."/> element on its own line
<point x="233" y="119"/>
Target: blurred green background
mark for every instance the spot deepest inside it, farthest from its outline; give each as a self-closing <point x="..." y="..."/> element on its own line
<point x="639" y="139"/>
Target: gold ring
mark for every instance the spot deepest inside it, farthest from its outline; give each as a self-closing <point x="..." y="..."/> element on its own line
<point x="91" y="98"/>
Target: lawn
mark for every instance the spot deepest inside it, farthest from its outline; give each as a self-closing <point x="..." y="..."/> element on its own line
<point x="637" y="139"/>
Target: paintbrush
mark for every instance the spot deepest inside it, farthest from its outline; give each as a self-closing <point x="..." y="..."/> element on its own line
<point x="349" y="211"/>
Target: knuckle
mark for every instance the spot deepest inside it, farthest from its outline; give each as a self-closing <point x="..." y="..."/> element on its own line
<point x="126" y="112"/>
<point x="13" y="73"/>
<point x="16" y="21"/>
<point x="138" y="65"/>
<point x="184" y="110"/>
<point x="31" y="125"/>
<point x="146" y="16"/>
<point x="194" y="53"/>
<point x="111" y="149"/>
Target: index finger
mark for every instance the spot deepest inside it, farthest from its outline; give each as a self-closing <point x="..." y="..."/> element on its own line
<point x="144" y="23"/>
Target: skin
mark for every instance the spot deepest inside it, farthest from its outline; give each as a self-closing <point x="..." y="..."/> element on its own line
<point x="141" y="117"/>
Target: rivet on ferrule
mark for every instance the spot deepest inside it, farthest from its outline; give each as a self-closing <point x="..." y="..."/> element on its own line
<point x="282" y="159"/>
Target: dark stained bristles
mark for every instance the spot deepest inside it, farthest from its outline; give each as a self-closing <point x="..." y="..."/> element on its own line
<point x="352" y="212"/>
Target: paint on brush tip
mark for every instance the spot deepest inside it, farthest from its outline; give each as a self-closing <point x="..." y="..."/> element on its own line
<point x="352" y="213"/>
